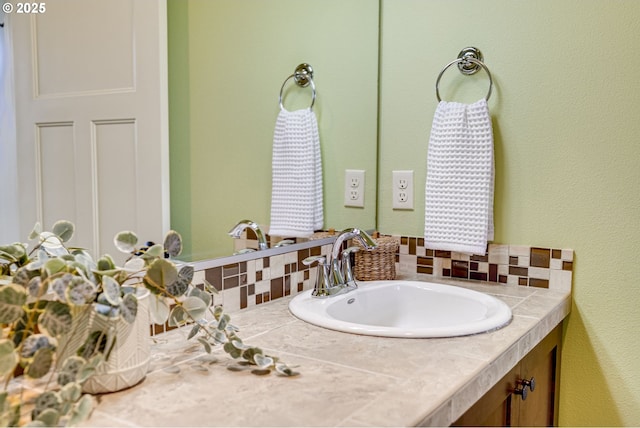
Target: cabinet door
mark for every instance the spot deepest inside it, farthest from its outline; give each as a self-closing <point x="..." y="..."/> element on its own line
<point x="498" y="407"/>
<point x="542" y="364"/>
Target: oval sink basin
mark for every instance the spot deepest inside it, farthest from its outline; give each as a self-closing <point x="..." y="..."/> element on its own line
<point x="404" y="309"/>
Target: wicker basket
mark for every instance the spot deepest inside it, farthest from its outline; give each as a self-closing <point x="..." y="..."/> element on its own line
<point x="323" y="234"/>
<point x="378" y="264"/>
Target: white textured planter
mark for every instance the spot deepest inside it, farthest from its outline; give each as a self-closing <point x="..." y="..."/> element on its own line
<point x="129" y="360"/>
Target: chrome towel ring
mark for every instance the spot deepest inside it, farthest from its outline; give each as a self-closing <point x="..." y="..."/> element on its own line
<point x="303" y="76"/>
<point x="469" y="62"/>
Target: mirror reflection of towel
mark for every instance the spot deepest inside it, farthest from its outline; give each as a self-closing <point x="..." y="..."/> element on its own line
<point x="460" y="179"/>
<point x="296" y="192"/>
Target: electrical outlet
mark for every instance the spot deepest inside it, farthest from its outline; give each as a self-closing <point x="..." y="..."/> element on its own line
<point x="402" y="190"/>
<point x="354" y="188"/>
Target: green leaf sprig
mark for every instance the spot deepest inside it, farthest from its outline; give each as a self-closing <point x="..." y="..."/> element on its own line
<point x="176" y="300"/>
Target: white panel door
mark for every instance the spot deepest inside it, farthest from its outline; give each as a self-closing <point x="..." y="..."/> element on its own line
<point x="92" y="118"/>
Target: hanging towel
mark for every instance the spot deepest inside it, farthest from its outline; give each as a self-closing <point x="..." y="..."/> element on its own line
<point x="460" y="176"/>
<point x="296" y="195"/>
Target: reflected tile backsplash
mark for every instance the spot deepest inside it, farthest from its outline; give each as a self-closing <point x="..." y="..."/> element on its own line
<point x="262" y="279"/>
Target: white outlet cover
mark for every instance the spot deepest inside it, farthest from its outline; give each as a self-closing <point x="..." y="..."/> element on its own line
<point x="354" y="188"/>
<point x="402" y="190"/>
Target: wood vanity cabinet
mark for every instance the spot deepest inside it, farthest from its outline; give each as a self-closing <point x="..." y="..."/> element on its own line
<point x="503" y="405"/>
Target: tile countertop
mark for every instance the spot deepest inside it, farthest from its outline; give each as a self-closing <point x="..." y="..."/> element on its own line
<point x="345" y="379"/>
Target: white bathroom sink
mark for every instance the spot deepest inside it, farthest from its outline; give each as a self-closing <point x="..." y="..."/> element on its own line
<point x="404" y="309"/>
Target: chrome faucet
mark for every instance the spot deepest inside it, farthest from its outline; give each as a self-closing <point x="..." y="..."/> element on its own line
<point x="236" y="232"/>
<point x="335" y="275"/>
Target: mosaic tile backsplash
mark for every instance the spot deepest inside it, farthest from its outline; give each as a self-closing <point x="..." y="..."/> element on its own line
<point x="503" y="264"/>
<point x="262" y="279"/>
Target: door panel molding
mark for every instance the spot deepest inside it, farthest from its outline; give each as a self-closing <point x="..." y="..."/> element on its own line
<point x="111" y="132"/>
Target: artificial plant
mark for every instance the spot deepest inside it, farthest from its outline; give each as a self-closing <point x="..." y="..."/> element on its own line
<point x="43" y="288"/>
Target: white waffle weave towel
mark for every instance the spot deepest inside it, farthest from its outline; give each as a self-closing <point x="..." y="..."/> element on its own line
<point x="460" y="179"/>
<point x="296" y="193"/>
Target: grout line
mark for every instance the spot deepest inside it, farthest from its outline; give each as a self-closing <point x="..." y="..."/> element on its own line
<point x="333" y="363"/>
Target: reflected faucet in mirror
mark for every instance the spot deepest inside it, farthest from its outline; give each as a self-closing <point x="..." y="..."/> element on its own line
<point x="236" y="232"/>
<point x="284" y="242"/>
<point x="248" y="241"/>
<point x="335" y="275"/>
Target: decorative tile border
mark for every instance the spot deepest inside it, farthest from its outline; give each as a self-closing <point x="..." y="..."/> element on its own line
<point x="503" y="264"/>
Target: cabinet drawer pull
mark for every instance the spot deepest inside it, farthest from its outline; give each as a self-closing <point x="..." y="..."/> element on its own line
<point x="521" y="390"/>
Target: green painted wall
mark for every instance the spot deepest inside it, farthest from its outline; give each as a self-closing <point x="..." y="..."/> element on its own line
<point x="227" y="62"/>
<point x="566" y="112"/>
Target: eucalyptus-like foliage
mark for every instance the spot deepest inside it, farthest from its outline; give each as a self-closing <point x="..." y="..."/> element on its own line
<point x="173" y="288"/>
<point x="43" y="289"/>
<point x="40" y="291"/>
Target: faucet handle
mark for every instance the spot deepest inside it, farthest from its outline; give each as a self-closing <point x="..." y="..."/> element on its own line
<point x="313" y="259"/>
<point x="347" y="271"/>
<point x="321" y="289"/>
<point x="284" y="242"/>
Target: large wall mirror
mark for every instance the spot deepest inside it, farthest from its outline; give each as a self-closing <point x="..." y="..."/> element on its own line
<point x="227" y="62"/>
